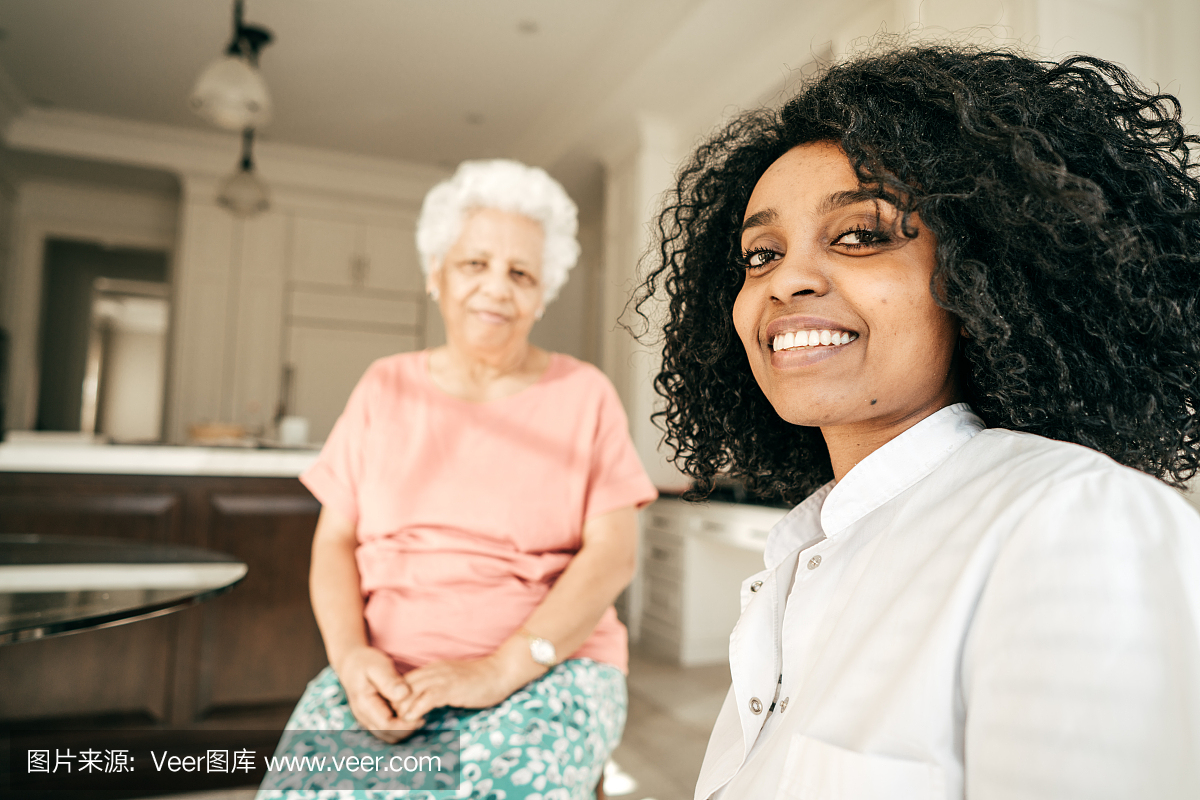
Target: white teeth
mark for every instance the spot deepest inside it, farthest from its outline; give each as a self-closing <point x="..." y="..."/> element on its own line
<point x="811" y="338"/>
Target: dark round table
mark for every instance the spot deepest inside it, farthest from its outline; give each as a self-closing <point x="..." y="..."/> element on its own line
<point x="51" y="585"/>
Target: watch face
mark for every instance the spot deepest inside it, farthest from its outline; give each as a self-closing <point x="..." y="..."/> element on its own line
<point x="542" y="651"/>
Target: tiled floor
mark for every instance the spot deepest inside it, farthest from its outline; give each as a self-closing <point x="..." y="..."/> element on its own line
<point x="671" y="711"/>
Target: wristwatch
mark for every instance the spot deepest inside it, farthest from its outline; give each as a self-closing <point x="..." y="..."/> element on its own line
<point x="541" y="650"/>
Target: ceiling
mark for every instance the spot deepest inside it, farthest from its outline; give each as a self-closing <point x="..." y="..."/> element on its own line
<point x="433" y="82"/>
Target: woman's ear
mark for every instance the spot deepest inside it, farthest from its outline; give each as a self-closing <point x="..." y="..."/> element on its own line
<point x="432" y="281"/>
<point x="962" y="332"/>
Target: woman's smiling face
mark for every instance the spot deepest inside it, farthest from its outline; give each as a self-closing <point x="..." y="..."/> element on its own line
<point x="489" y="285"/>
<point x="836" y="313"/>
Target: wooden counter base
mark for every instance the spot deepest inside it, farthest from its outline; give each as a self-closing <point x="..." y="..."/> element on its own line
<point x="238" y="661"/>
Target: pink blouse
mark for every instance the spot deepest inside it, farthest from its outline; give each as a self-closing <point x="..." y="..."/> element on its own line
<point x="468" y="512"/>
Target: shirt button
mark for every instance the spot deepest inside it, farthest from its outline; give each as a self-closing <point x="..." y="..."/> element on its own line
<point x="814" y="562"/>
<point x="756" y="705"/>
<point x="754" y="587"/>
<point x="783" y="705"/>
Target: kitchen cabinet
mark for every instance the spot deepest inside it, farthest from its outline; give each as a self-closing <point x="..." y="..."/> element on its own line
<point x="325" y="251"/>
<point x="258" y="296"/>
<point x="326" y="363"/>
<point x="232" y="661"/>
<point x="694" y="557"/>
<point x="345" y="251"/>
<point x="354" y="294"/>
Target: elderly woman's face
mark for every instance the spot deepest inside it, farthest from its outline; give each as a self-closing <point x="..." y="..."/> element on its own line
<point x="836" y="313"/>
<point x="489" y="285"/>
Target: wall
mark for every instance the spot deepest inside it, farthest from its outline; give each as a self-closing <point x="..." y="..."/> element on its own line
<point x="1153" y="39"/>
<point x="7" y="212"/>
<point x="8" y="207"/>
<point x="637" y="173"/>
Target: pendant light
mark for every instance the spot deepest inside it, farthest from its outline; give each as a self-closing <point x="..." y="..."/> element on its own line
<point x="231" y="92"/>
<point x="243" y="192"/>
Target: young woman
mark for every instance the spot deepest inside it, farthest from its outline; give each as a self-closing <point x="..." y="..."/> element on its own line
<point x="948" y="300"/>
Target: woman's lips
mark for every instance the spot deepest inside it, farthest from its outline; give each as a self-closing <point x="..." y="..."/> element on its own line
<point x="490" y="317"/>
<point x="797" y="340"/>
<point x="799" y="356"/>
<point x="811" y="338"/>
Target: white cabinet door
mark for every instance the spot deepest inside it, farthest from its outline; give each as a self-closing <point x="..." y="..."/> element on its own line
<point x="326" y="365"/>
<point x="325" y="251"/>
<point x="355" y="294"/>
<point x="390" y="260"/>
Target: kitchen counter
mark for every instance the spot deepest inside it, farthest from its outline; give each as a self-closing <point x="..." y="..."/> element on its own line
<point x="247" y="653"/>
<point x="120" y="459"/>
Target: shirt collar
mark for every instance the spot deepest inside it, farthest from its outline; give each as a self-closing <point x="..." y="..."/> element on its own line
<point x="876" y="479"/>
<point x="898" y="465"/>
<point x="800" y="528"/>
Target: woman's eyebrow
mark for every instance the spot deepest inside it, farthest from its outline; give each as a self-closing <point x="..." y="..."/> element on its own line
<point x="842" y="199"/>
<point x="765" y="217"/>
<point x="832" y="202"/>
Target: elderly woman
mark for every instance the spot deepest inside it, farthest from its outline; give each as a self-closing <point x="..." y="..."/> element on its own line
<point x="478" y="520"/>
<point x="949" y="299"/>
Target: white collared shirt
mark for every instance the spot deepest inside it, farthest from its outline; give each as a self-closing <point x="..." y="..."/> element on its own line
<point x="970" y="613"/>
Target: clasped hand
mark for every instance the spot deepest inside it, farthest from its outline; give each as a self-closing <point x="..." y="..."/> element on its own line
<point x="393" y="707"/>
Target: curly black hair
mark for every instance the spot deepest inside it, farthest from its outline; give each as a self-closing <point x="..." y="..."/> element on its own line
<point x="1066" y="208"/>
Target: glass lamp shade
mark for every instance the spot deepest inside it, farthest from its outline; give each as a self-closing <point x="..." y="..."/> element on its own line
<point x="231" y="93"/>
<point x="244" y="193"/>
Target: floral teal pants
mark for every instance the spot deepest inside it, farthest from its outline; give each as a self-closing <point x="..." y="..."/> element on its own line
<point x="548" y="741"/>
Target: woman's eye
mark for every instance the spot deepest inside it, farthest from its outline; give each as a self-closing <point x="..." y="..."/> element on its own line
<point x="523" y="278"/>
<point x="862" y="237"/>
<point x="759" y="257"/>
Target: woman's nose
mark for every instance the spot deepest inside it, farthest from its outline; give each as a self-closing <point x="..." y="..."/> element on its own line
<point x="798" y="274"/>
<point x="495" y="281"/>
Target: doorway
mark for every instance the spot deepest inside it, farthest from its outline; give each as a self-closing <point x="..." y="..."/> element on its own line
<point x="105" y="314"/>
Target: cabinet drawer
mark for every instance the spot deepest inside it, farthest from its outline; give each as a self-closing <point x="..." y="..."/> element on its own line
<point x="657" y="569"/>
<point x="664" y="600"/>
<point x="658" y="519"/>
<point x="663" y="551"/>
<point x="353" y="309"/>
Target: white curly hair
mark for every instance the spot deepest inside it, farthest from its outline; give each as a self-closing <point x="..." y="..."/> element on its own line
<point x="507" y="186"/>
